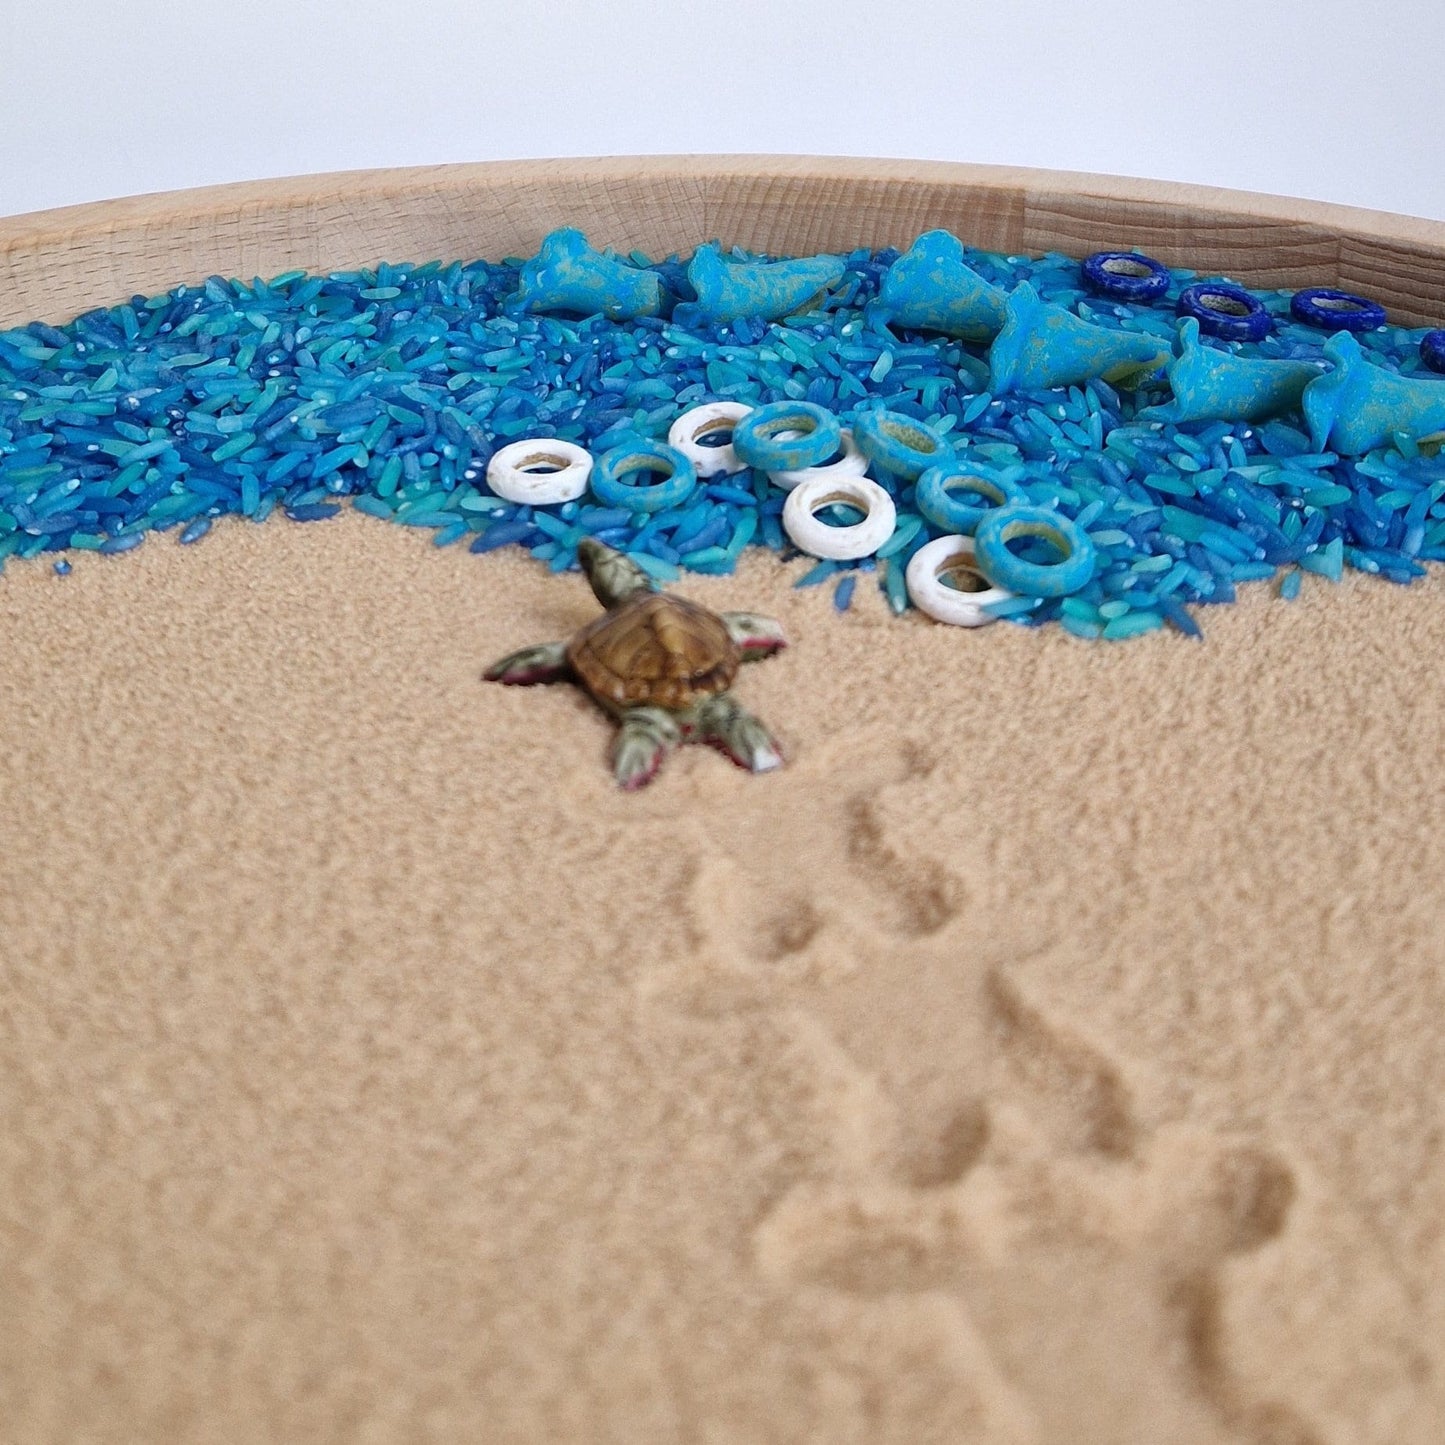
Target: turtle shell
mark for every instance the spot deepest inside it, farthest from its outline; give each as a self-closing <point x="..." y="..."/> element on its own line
<point x="653" y="650"/>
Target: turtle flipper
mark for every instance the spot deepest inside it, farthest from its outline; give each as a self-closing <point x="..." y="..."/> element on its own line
<point x="546" y="662"/>
<point x="729" y="726"/>
<point x="646" y="736"/>
<point x="756" y="636"/>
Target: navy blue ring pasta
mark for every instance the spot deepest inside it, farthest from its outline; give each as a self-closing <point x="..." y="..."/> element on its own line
<point x="643" y="455"/>
<point x="1335" y="310"/>
<point x="1126" y="276"/>
<point x="1432" y="350"/>
<point x="1018" y="575"/>
<point x="1228" y="312"/>
<point x="758" y="439"/>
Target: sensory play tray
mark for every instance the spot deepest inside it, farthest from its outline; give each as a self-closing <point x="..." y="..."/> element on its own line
<point x="1043" y="1046"/>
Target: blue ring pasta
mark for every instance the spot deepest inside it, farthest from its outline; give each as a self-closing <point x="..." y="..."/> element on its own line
<point x="944" y="508"/>
<point x="642" y="455"/>
<point x="898" y="443"/>
<point x="1016" y="574"/>
<point x="757" y="442"/>
<point x="1335" y="310"/>
<point x="1228" y="312"/>
<point x="1126" y="276"/>
<point x="1432" y="350"/>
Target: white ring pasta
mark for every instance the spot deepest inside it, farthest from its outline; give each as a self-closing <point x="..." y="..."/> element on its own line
<point x="948" y="604"/>
<point x="839" y="543"/>
<point x="711" y="416"/>
<point x="851" y="464"/>
<point x="539" y="472"/>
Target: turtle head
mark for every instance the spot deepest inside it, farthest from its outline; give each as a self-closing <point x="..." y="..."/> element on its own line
<point x="613" y="576"/>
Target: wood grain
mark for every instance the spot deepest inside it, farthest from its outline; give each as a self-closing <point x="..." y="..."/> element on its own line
<point x="54" y="264"/>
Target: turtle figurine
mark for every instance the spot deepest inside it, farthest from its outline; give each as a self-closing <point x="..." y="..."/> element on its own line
<point x="661" y="665"/>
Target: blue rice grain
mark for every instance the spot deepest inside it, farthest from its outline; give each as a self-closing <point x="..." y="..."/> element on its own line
<point x="819" y="572"/>
<point x="312" y="512"/>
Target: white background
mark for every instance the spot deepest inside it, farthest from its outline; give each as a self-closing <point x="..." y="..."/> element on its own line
<point x="1330" y="99"/>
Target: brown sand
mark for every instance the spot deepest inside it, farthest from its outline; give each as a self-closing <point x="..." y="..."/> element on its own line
<point x="1053" y="1052"/>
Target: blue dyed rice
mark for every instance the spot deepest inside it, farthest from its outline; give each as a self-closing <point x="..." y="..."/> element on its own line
<point x="390" y="389"/>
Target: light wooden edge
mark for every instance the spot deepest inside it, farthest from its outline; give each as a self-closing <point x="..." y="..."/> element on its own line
<point x="55" y="264"/>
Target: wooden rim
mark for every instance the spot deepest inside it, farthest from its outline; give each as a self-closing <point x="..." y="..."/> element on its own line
<point x="55" y="264"/>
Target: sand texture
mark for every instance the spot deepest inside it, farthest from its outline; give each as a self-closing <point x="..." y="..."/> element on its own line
<point x="1052" y="1054"/>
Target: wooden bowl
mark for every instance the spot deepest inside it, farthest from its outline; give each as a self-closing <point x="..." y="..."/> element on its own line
<point x="55" y="264"/>
<point x="361" y="1043"/>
